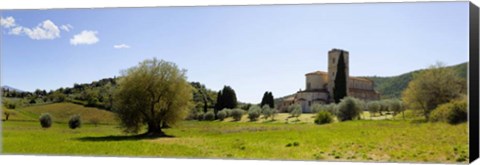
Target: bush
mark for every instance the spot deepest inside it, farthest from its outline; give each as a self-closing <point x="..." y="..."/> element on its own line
<point x="295" y="110"/>
<point x="254" y="113"/>
<point x="458" y="113"/>
<point x="332" y="108"/>
<point x="209" y="116"/>
<point x="453" y="112"/>
<point x="317" y="108"/>
<point x="46" y="120"/>
<point x="323" y="117"/>
<point x="74" y="122"/>
<point x="227" y="111"/>
<point x="199" y="116"/>
<point x="266" y="111"/>
<point x="237" y="114"/>
<point x="221" y="115"/>
<point x="373" y="107"/>
<point x="9" y="104"/>
<point x="349" y="109"/>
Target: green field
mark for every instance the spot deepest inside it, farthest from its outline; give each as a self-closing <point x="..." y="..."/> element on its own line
<point x="363" y="140"/>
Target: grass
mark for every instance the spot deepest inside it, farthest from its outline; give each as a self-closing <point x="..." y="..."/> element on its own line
<point x="364" y="140"/>
<point x="61" y="113"/>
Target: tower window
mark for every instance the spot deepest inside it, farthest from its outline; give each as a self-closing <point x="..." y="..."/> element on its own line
<point x="333" y="60"/>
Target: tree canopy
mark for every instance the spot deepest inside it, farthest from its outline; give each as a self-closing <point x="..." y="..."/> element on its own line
<point x="153" y="93"/>
<point x="432" y="87"/>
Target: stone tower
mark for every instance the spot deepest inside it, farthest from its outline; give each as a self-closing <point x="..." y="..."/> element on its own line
<point x="333" y="56"/>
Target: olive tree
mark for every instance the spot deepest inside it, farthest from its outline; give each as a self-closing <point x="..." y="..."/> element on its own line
<point x="432" y="87"/>
<point x="349" y="109"/>
<point x="396" y="107"/>
<point x="373" y="107"/>
<point x="266" y="111"/>
<point x="295" y="110"/>
<point x="155" y="93"/>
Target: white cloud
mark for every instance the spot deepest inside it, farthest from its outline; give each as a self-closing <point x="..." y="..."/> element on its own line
<point x="7" y="22"/>
<point x="46" y="30"/>
<point x="85" y="37"/>
<point x="66" y="27"/>
<point x="16" y="30"/>
<point x="121" y="46"/>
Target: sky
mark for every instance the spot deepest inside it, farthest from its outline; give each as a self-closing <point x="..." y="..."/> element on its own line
<point x="253" y="49"/>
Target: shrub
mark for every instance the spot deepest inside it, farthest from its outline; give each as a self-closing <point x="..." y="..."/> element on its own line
<point x="317" y="108"/>
<point x="254" y="113"/>
<point x="32" y="101"/>
<point x="295" y="110"/>
<point x="45" y="120"/>
<point x="274" y="113"/>
<point x="453" y="112"/>
<point x="332" y="108"/>
<point x="458" y="113"/>
<point x="209" y="116"/>
<point x="221" y="115"/>
<point x="199" y="116"/>
<point x="74" y="122"/>
<point x="228" y="112"/>
<point x="9" y="104"/>
<point x="349" y="109"/>
<point x="373" y="107"/>
<point x="266" y="111"/>
<point x="323" y="117"/>
<point x="237" y="114"/>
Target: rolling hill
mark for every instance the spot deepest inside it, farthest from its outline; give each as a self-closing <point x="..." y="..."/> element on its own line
<point x="61" y="112"/>
<point x="392" y="87"/>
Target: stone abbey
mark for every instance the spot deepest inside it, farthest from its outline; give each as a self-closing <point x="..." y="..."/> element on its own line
<point x="320" y="85"/>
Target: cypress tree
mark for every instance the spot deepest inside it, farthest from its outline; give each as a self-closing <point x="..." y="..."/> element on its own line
<point x="219" y="103"/>
<point x="271" y="100"/>
<point x="229" y="97"/>
<point x="264" y="99"/>
<point x="340" y="88"/>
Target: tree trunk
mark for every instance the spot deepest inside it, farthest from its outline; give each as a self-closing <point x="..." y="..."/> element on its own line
<point x="154" y="129"/>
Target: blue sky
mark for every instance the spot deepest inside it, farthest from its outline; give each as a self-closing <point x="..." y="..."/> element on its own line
<point x="250" y="48"/>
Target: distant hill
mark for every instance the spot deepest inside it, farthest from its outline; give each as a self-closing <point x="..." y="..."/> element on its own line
<point x="6" y="87"/>
<point x="392" y="87"/>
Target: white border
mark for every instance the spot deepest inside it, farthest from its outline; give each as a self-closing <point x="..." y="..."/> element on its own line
<point x="55" y="4"/>
<point x="74" y="160"/>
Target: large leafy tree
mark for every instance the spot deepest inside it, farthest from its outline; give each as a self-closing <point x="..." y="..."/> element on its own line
<point x="154" y="93"/>
<point x="340" y="88"/>
<point x="432" y="87"/>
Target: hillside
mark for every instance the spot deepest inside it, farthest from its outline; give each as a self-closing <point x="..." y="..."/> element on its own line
<point x="392" y="87"/>
<point x="61" y="112"/>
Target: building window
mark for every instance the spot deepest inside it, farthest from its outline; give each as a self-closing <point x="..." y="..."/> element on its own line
<point x="309" y="103"/>
<point x="308" y="85"/>
<point x="333" y="60"/>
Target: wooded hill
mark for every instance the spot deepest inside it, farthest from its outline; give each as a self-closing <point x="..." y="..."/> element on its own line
<point x="392" y="87"/>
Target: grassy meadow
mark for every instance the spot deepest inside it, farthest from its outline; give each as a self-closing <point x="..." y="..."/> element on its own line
<point x="362" y="140"/>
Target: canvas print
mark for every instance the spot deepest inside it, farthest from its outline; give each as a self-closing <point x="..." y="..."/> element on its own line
<point x="370" y="82"/>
